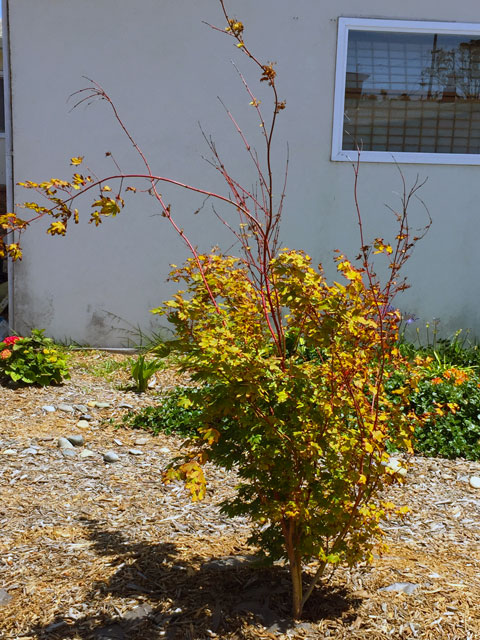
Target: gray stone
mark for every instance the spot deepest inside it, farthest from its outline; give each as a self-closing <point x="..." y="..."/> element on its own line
<point x="140" y="441"/>
<point x="83" y="424"/>
<point x="67" y="408"/>
<point x="111" y="456"/>
<point x="401" y="587"/>
<point x="135" y="452"/>
<point x="64" y="443"/>
<point x="87" y="453"/>
<point x="31" y="451"/>
<point x="9" y="452"/>
<point x="118" y="442"/>
<point x="228" y="562"/>
<point x="125" y="405"/>
<point x="69" y="453"/>
<point x="86" y="416"/>
<point x="103" y="405"/>
<point x="139" y="613"/>
<point x="5" y="597"/>
<point x="48" y="408"/>
<point x="475" y="482"/>
<point x="82" y="408"/>
<point x="76" y="439"/>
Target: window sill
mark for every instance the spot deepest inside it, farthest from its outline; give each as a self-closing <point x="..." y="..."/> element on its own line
<point x="402" y="157"/>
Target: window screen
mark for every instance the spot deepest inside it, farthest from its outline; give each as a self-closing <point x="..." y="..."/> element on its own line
<point x="412" y="92"/>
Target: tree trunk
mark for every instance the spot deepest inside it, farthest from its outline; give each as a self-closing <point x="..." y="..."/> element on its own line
<point x="296" y="576"/>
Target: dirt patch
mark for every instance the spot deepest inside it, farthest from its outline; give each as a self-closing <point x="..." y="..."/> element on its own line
<point x="98" y="551"/>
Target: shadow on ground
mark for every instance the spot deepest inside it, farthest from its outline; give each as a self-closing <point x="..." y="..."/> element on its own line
<point x="188" y="600"/>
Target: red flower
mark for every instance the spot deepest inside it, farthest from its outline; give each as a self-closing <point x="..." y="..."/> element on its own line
<point x="11" y="340"/>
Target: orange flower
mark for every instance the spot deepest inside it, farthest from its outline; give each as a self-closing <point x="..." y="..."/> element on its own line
<point x="457" y="375"/>
<point x="6" y="353"/>
<point x="437" y="381"/>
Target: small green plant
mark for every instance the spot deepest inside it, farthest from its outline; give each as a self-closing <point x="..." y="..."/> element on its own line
<point x="33" y="360"/>
<point x="108" y="367"/>
<point x="142" y="370"/>
<point x="179" y="412"/>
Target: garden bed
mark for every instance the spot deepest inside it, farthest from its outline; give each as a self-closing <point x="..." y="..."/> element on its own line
<point x="104" y="551"/>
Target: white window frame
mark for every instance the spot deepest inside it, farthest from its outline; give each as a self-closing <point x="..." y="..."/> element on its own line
<point x="2" y="77"/>
<point x="399" y="26"/>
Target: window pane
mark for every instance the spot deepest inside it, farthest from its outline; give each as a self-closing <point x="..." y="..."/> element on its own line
<point x="413" y="92"/>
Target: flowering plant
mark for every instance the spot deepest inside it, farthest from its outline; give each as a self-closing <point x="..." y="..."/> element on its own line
<point x="32" y="360"/>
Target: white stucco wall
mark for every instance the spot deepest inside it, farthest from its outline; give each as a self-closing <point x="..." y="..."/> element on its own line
<point x="165" y="69"/>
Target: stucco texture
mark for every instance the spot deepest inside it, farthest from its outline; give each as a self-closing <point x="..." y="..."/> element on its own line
<point x="164" y="69"/>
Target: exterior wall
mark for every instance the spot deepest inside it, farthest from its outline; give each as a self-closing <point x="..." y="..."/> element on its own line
<point x="164" y="69"/>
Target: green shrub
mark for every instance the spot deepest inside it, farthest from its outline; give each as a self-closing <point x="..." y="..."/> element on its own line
<point x="33" y="360"/>
<point x="450" y="404"/>
<point x="301" y="414"/>
<point x="447" y="399"/>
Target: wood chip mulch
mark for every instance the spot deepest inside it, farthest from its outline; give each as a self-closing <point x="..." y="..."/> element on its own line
<point x="97" y="551"/>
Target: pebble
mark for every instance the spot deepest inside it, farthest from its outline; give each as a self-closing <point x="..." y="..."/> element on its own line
<point x="138" y="613"/>
<point x="67" y="408"/>
<point x="140" y="441"/>
<point x="69" y="453"/>
<point x="99" y="405"/>
<point x="401" y="587"/>
<point x="86" y="416"/>
<point x="86" y="453"/>
<point x="5" y="597"/>
<point x="81" y="407"/>
<point x="135" y="452"/>
<point x="31" y="451"/>
<point x="76" y="439"/>
<point x="118" y="442"/>
<point x="165" y="450"/>
<point x="228" y="562"/>
<point x="64" y="443"/>
<point x="395" y="465"/>
<point x="110" y="456"/>
<point x="83" y="424"/>
<point x="48" y="408"/>
<point x="475" y="482"/>
<point x="125" y="405"/>
<point x="9" y="452"/>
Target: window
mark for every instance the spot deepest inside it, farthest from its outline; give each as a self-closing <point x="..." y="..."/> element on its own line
<point x="407" y="92"/>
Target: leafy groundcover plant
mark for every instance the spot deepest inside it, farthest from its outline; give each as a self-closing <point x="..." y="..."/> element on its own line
<point x="292" y="368"/>
<point x="179" y="411"/>
<point x="447" y="399"/>
<point x="32" y="360"/>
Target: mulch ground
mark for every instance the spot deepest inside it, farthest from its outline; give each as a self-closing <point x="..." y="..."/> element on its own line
<point x="97" y="551"/>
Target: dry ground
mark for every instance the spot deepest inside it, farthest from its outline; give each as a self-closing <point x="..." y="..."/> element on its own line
<point x="90" y="550"/>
